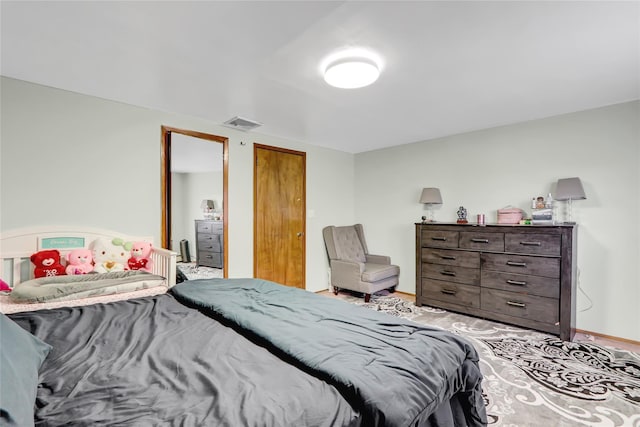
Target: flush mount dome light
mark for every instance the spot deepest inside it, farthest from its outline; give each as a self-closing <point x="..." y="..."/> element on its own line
<point x="351" y="72"/>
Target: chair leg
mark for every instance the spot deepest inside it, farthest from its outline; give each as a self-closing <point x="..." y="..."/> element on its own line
<point x="367" y="297"/>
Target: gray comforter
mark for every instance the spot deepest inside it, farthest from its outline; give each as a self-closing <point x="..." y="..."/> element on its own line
<point x="396" y="372"/>
<point x="252" y="353"/>
<point x="153" y="362"/>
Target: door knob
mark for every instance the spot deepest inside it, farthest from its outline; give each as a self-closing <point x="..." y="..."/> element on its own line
<point x="299" y="234"/>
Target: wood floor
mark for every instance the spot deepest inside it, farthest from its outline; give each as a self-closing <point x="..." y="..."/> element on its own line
<point x="581" y="336"/>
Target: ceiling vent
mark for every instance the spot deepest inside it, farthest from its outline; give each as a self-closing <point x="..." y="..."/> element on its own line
<point x="241" y="123"/>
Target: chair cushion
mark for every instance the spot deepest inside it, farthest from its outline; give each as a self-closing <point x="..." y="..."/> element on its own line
<point x="375" y="272"/>
<point x="348" y="246"/>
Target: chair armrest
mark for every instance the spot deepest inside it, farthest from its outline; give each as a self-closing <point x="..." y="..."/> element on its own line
<point x="378" y="259"/>
<point x="346" y="271"/>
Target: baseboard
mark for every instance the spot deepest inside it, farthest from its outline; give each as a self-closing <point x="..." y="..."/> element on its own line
<point x="609" y="337"/>
<point x="405" y="293"/>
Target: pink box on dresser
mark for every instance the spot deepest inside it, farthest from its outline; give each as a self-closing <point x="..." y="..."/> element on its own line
<point x="509" y="216"/>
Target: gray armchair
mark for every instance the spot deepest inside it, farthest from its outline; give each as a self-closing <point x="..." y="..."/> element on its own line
<point x="353" y="267"/>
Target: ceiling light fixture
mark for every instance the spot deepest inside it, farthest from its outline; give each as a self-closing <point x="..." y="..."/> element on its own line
<point x="351" y="69"/>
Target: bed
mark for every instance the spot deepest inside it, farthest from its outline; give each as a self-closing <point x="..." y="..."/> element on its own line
<point x="233" y="352"/>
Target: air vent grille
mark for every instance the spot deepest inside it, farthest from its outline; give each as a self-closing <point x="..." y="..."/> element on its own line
<point x="241" y="123"/>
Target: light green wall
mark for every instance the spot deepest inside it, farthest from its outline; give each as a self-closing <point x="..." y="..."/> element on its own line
<point x="71" y="159"/>
<point x="489" y="169"/>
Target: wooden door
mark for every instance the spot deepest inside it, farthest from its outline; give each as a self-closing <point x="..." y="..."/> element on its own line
<point x="279" y="215"/>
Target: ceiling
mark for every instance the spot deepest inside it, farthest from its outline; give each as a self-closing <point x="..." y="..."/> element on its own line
<point x="448" y="66"/>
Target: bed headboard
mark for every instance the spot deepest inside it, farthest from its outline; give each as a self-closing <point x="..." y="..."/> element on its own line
<point x="16" y="246"/>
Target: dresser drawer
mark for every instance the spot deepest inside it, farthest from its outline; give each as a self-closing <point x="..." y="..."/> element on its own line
<point x="482" y="241"/>
<point x="537" y="244"/>
<point x="534" y="285"/>
<point x="210" y="259"/>
<point x="209" y="242"/>
<point x="454" y="293"/>
<point x="209" y="227"/>
<point x="452" y="273"/>
<point x="529" y="307"/>
<point x="451" y="257"/>
<point x="521" y="264"/>
<point x="440" y="239"/>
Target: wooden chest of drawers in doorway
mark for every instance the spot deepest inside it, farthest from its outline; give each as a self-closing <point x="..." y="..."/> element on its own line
<point x="209" y="243"/>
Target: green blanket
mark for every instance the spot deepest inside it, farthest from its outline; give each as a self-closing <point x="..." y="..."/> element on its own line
<point x="59" y="288"/>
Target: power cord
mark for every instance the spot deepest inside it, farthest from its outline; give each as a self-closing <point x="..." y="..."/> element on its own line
<point x="584" y="293"/>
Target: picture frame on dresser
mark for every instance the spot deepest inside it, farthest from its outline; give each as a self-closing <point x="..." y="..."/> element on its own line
<point x="523" y="275"/>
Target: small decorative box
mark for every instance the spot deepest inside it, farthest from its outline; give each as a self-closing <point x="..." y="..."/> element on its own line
<point x="509" y="216"/>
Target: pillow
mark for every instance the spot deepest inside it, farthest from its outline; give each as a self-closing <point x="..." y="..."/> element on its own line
<point x="21" y="355"/>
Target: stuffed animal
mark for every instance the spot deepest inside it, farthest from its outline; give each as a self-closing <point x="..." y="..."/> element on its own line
<point x="47" y="263"/>
<point x="79" y="261"/>
<point x="141" y="257"/>
<point x="110" y="255"/>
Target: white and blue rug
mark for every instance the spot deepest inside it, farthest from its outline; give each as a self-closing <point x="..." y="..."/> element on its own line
<point x="193" y="271"/>
<point x="535" y="379"/>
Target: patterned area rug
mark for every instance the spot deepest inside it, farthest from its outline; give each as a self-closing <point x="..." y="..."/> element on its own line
<point x="535" y="379"/>
<point x="193" y="272"/>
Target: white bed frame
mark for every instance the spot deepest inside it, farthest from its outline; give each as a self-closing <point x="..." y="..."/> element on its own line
<point x="16" y="246"/>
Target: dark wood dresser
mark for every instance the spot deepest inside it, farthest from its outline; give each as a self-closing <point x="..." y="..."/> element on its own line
<point x="523" y="275"/>
<point x="209" y="243"/>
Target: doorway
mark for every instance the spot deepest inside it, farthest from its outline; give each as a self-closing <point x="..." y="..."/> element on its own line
<point x="279" y="215"/>
<point x="171" y="138"/>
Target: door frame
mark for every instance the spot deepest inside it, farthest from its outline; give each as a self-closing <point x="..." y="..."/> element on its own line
<point x="165" y="178"/>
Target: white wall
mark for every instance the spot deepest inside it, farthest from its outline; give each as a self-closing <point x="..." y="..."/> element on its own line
<point x="489" y="169"/>
<point x="188" y="192"/>
<point x="179" y="215"/>
<point x="71" y="159"/>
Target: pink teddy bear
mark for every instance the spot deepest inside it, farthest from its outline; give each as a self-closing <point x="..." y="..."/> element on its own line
<point x="141" y="257"/>
<point x="79" y="261"/>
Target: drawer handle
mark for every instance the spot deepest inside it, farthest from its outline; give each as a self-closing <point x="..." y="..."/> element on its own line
<point x="480" y="240"/>
<point x="452" y="258"/>
<point x="516" y="304"/>
<point x="448" y="273"/>
<point x="440" y="239"/>
<point x="209" y="256"/>
<point x="531" y="243"/>
<point x="516" y="282"/>
<point x="448" y="292"/>
<point x="516" y="264"/>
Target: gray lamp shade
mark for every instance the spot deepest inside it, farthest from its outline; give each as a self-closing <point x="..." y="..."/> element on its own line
<point x="206" y="205"/>
<point x="570" y="189"/>
<point x="431" y="195"/>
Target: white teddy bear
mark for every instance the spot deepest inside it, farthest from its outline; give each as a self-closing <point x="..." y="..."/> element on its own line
<point x="110" y="254"/>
